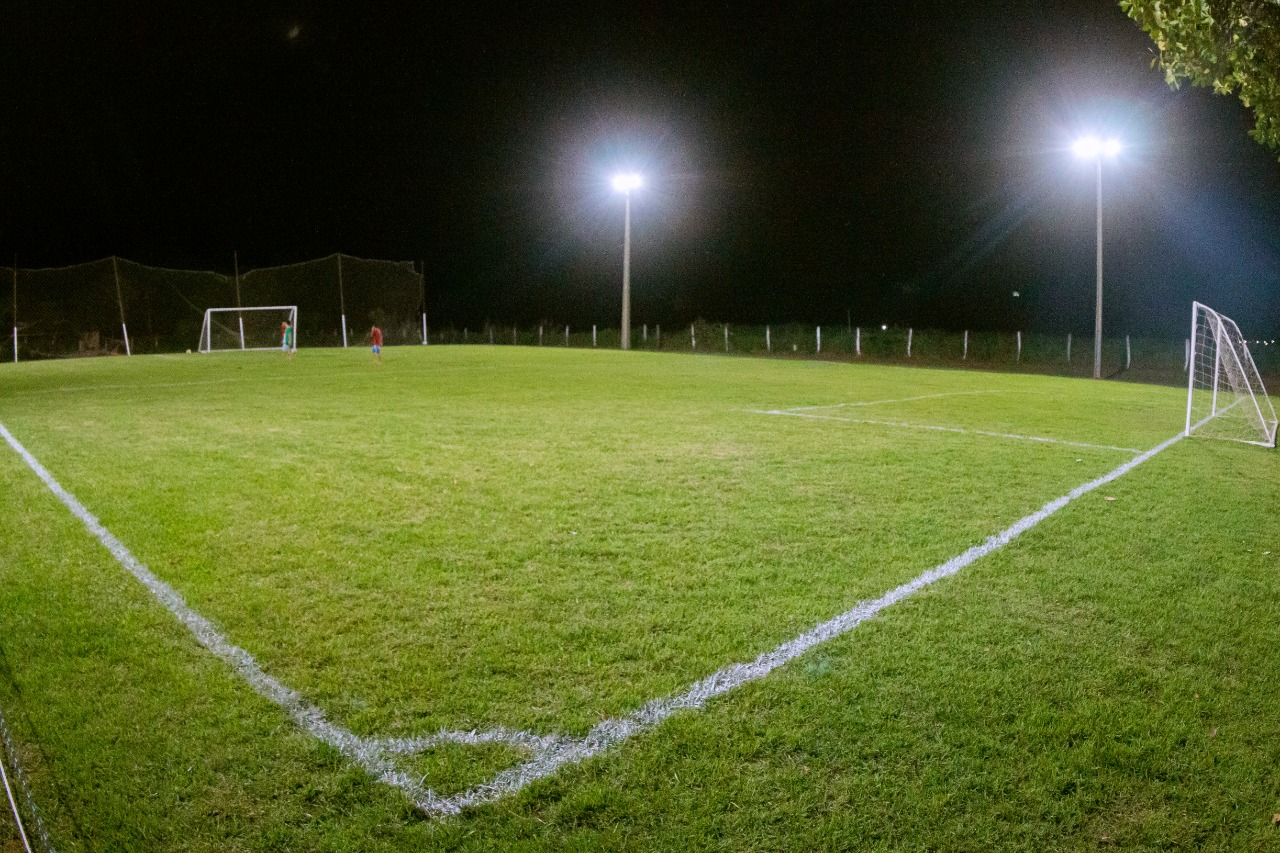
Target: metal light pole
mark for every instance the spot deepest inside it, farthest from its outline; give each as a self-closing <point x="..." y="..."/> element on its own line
<point x="1092" y="148"/>
<point x="625" y="184"/>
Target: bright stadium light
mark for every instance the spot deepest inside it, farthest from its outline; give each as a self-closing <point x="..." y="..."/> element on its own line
<point x="624" y="184"/>
<point x="1093" y="148"/>
<point x="627" y="182"/>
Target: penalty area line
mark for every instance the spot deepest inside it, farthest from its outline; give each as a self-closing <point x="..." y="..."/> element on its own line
<point x="935" y="428"/>
<point x="886" y="402"/>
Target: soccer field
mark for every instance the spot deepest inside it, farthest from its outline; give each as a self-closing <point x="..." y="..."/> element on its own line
<point x="479" y="598"/>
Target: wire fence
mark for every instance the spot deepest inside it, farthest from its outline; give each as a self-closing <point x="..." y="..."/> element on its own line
<point x="1146" y="358"/>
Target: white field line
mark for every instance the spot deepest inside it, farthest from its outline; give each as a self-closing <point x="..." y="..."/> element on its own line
<point x="550" y="753"/>
<point x="885" y="402"/>
<point x="904" y="425"/>
<point x="311" y="719"/>
<point x="562" y="751"/>
<point x="7" y="748"/>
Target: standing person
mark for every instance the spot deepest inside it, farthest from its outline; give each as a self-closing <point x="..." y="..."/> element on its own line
<point x="286" y="338"/>
<point x="375" y="335"/>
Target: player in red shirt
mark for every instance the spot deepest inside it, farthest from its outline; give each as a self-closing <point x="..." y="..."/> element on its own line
<point x="375" y="335"/>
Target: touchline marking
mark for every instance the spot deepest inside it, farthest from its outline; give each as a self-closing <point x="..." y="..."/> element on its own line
<point x="610" y="733"/>
<point x="904" y="425"/>
<point x="549" y="753"/>
<point x="884" y="402"/>
<point x="367" y="754"/>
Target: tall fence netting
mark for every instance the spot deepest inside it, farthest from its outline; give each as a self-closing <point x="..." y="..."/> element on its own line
<point x="116" y="305"/>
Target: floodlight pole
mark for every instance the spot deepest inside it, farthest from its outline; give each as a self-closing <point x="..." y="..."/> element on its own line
<point x="626" y="274"/>
<point x="1097" y="319"/>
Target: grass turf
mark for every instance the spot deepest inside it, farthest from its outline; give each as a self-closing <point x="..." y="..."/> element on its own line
<point x="473" y="537"/>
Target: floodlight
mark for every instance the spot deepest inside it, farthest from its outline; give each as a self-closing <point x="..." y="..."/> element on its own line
<point x="1087" y="148"/>
<point x="627" y="182"/>
<point x="1093" y="148"/>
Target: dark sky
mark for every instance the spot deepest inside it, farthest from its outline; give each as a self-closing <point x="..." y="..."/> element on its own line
<point x="904" y="163"/>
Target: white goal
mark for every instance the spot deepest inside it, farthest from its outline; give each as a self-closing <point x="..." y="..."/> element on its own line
<point x="255" y="328"/>
<point x="1225" y="396"/>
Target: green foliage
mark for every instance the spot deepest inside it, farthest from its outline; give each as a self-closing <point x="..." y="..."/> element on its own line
<point x="1232" y="46"/>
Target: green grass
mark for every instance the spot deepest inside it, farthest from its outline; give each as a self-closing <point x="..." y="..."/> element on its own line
<point x="543" y="539"/>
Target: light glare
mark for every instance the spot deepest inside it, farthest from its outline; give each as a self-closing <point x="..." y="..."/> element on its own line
<point x="626" y="183"/>
<point x="1093" y="148"/>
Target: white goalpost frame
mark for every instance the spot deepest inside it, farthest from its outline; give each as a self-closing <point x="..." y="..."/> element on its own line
<point x="206" y="328"/>
<point x="1263" y="422"/>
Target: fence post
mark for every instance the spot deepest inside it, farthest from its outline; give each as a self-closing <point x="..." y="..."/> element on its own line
<point x="726" y="337"/>
<point x="1128" y="354"/>
<point x="818" y="345"/>
<point x="965" y="355"/>
<point x="424" y="328"/>
<point x="768" y="344"/>
<point x="857" y="341"/>
<point x="593" y="334"/>
<point x="1019" y="356"/>
<point x="465" y="334"/>
<point x="909" y="333"/>
<point x="566" y="335"/>
<point x="657" y="335"/>
<point x="490" y="335"/>
<point x="539" y="336"/>
<point x="693" y="340"/>
<point x="646" y="333"/>
<point x="1068" y="347"/>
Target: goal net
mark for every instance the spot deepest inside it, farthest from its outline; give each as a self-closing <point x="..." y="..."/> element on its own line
<point x="256" y="328"/>
<point x="1225" y="396"/>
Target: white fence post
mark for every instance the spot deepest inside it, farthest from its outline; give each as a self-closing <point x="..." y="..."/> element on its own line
<point x="566" y="335"/>
<point x="1068" y="347"/>
<point x="1128" y="353"/>
<point x="726" y="337"/>
<point x="424" y="328"/>
<point x="1019" y="356"/>
<point x="768" y="344"/>
<point x="857" y="341"/>
<point x="645" y="336"/>
<point x="818" y="347"/>
<point x="964" y="356"/>
<point x="593" y="334"/>
<point x="539" y="336"/>
<point x="909" y="331"/>
<point x="693" y="339"/>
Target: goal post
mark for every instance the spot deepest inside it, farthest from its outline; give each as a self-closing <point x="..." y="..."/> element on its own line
<point x="247" y="329"/>
<point x="1225" y="395"/>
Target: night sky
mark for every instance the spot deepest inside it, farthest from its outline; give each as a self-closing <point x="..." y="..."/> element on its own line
<point x="902" y="163"/>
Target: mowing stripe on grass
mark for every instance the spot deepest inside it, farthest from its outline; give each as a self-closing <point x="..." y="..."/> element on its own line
<point x="8" y="750"/>
<point x="905" y="425"/>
